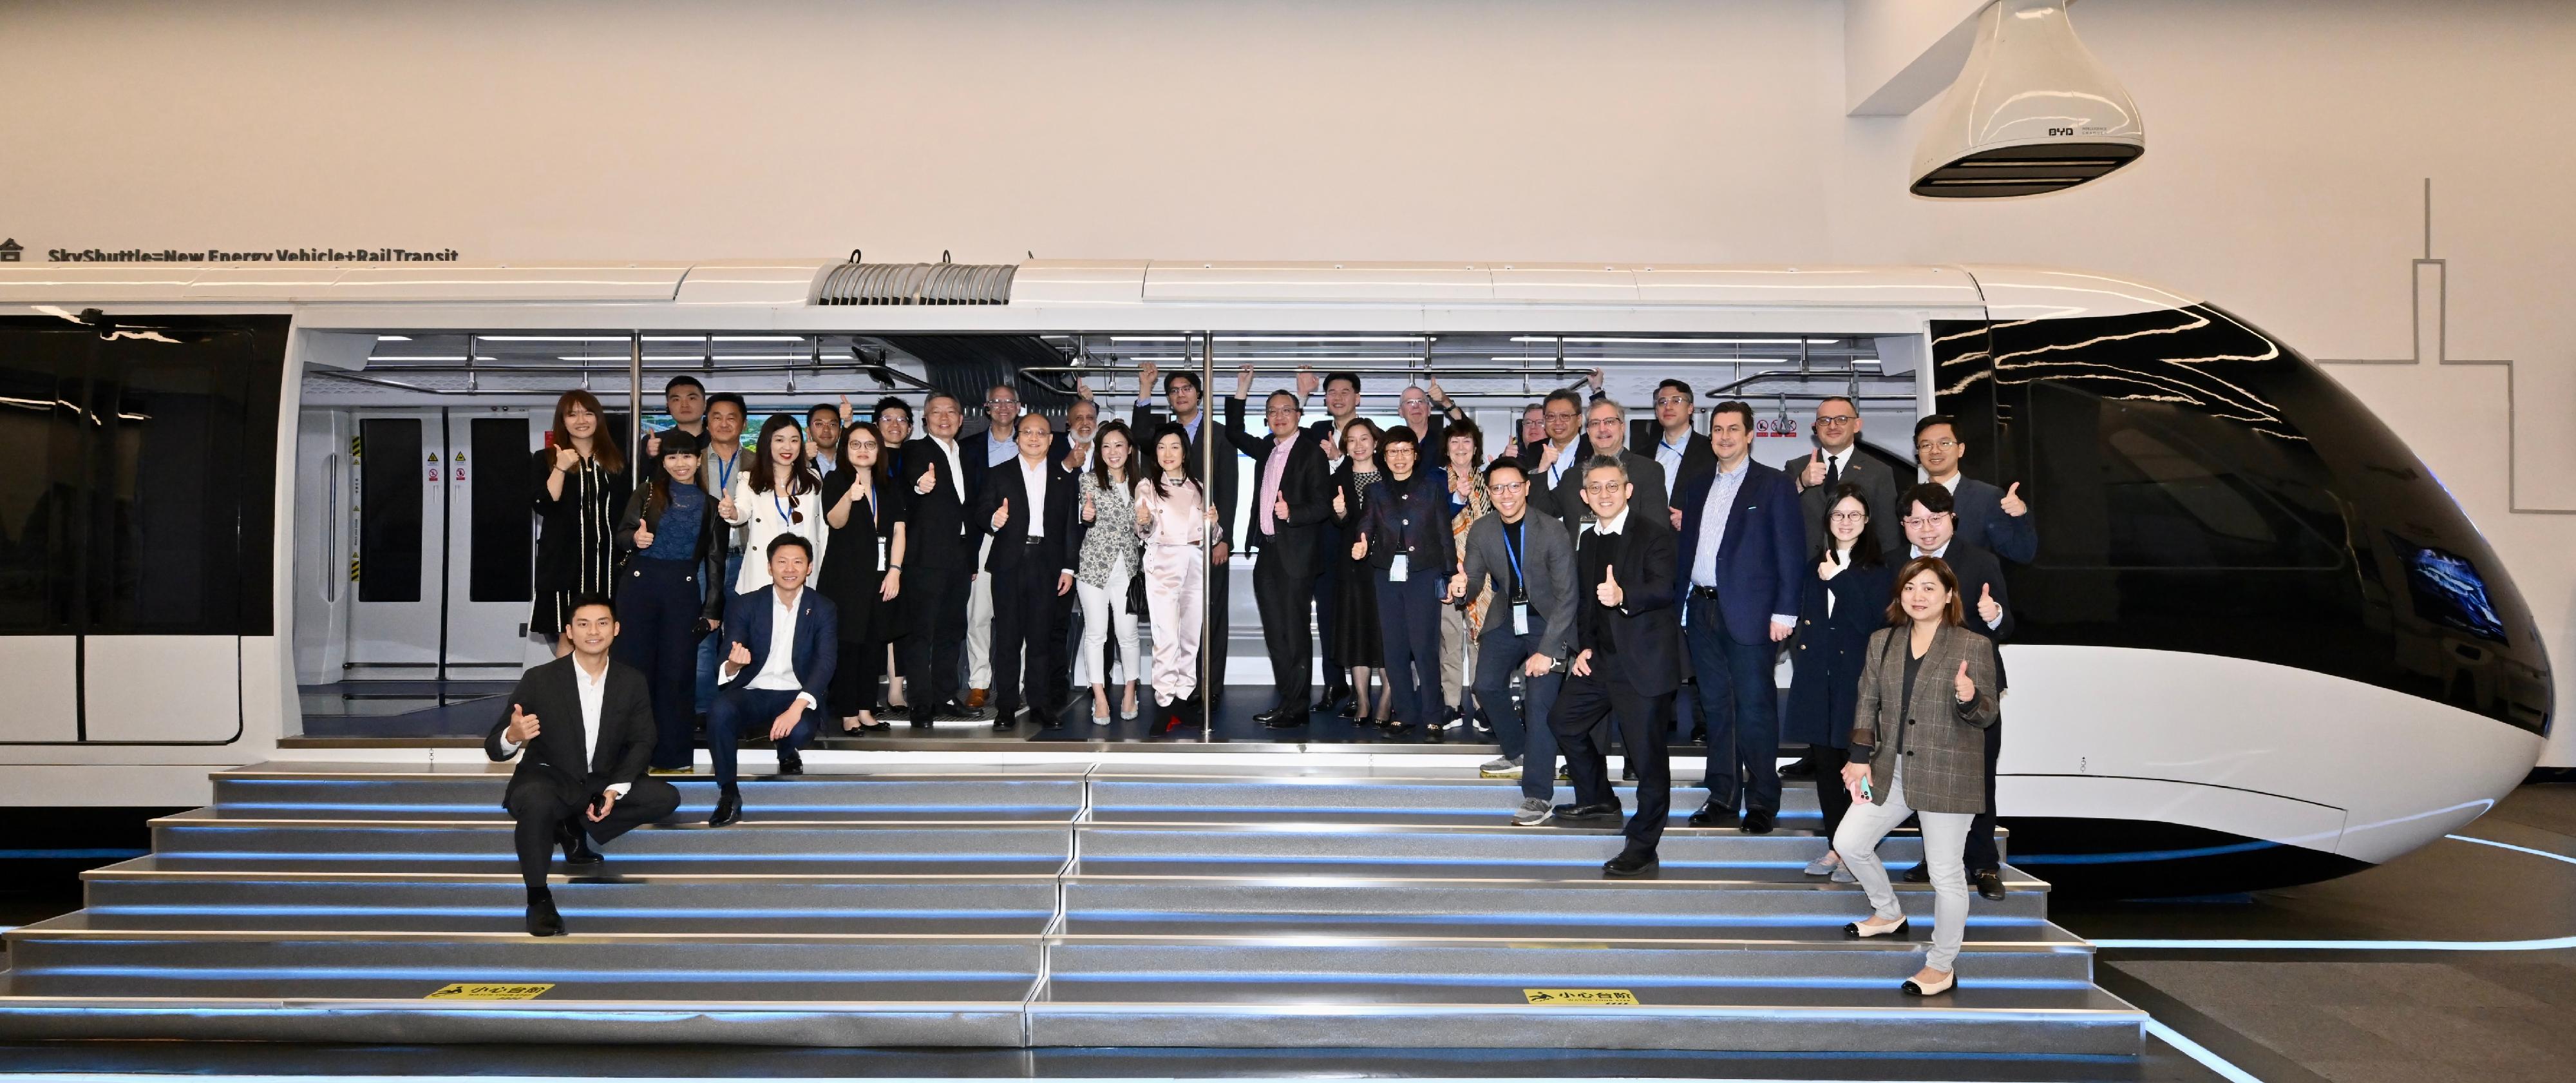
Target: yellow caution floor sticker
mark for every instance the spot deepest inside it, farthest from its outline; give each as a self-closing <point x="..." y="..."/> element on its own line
<point x="467" y="990"/>
<point x="1581" y="996"/>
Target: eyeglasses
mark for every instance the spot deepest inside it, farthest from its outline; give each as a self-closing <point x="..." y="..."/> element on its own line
<point x="1923" y="520"/>
<point x="1604" y="488"/>
<point x="1854" y="517"/>
<point x="1835" y="419"/>
<point x="1672" y="400"/>
<point x="1935" y="445"/>
<point x="1561" y="415"/>
<point x="1508" y="486"/>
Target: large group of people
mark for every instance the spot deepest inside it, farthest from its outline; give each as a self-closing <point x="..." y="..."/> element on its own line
<point x="1560" y="594"/>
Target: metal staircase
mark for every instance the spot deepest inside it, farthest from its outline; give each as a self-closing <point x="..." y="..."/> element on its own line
<point x="1088" y="905"/>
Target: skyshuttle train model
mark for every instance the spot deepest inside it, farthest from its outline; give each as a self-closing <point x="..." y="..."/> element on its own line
<point x="2259" y="645"/>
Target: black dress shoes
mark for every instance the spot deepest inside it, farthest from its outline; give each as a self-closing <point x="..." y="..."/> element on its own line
<point x="1919" y="874"/>
<point x="790" y="761"/>
<point x="1631" y="863"/>
<point x="1804" y="768"/>
<point x="1627" y="772"/>
<point x="542" y="918"/>
<point x="876" y="727"/>
<point x="1757" y="822"/>
<point x="1601" y="812"/>
<point x="1284" y="718"/>
<point x="1990" y="883"/>
<point x="1333" y="697"/>
<point x="576" y="846"/>
<point x="954" y="709"/>
<point x="924" y="724"/>
<point x="1712" y="814"/>
<point x="728" y="808"/>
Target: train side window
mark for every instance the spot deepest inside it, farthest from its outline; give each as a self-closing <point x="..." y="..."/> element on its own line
<point x="41" y="441"/>
<point x="174" y="512"/>
<point x="2152" y="484"/>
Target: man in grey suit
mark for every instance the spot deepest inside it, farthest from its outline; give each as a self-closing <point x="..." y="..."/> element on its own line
<point x="1993" y="518"/>
<point x="1528" y="630"/>
<point x="1838" y="461"/>
<point x="1605" y="434"/>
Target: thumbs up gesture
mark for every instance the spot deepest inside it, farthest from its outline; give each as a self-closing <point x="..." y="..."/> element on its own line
<point x="725" y="508"/>
<point x="1088" y="512"/>
<point x="1002" y="514"/>
<point x="1359" y="549"/>
<point x="1609" y="591"/>
<point x="929" y="479"/>
<point x="2012" y="502"/>
<point x="1967" y="688"/>
<point x="566" y="458"/>
<point x="1814" y="475"/>
<point x="1279" y="506"/>
<point x="523" y="726"/>
<point x="1341" y="508"/>
<point x="1989" y="610"/>
<point x="643" y="535"/>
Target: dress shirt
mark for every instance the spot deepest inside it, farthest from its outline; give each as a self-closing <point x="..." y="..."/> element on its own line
<point x="1610" y="526"/>
<point x="956" y="471"/>
<point x="1952" y="484"/>
<point x="1272" y="470"/>
<point x="1937" y="554"/>
<point x="778" y="670"/>
<point x="1669" y="456"/>
<point x="1034" y="479"/>
<point x="593" y="691"/>
<point x="1565" y="457"/>
<point x="1712" y="521"/>
<point x="1836" y="464"/>
<point x="997" y="452"/>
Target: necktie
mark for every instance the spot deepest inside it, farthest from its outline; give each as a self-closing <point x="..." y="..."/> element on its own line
<point x="1833" y="472"/>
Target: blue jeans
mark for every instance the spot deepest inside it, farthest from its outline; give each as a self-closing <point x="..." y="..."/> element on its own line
<point x="711" y="648"/>
<point x="1741" y="709"/>
<point x="738" y="709"/>
<point x="1524" y="733"/>
<point x="1408" y="614"/>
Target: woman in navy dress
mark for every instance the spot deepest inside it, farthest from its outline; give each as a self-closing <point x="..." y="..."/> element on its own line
<point x="1844" y="599"/>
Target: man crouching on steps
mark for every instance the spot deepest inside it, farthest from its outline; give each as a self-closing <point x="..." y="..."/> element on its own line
<point x="587" y="726"/>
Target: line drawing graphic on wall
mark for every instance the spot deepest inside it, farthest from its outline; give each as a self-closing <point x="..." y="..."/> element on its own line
<point x="2433" y="340"/>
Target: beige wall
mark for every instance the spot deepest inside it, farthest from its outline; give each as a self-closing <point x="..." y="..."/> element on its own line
<point x="2288" y="146"/>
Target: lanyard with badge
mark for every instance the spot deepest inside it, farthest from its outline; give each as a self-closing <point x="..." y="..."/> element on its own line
<point x="1395" y="572"/>
<point x="1520" y="586"/>
<point x="868" y="504"/>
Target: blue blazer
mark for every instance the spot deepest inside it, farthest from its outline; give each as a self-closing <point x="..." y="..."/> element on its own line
<point x="1982" y="523"/>
<point x="1760" y="559"/>
<point x="818" y="637"/>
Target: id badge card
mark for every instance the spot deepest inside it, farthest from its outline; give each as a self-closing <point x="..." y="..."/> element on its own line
<point x="1395" y="571"/>
<point x="1520" y="618"/>
<point x="881" y="554"/>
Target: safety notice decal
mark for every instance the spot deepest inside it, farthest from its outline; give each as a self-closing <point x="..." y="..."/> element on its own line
<point x="468" y="990"/>
<point x="1581" y="996"/>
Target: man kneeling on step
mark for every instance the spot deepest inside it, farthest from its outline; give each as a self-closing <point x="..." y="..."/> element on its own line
<point x="782" y="641"/>
<point x="586" y="724"/>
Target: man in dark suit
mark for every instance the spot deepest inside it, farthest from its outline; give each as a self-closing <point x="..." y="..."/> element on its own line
<point x="1341" y="404"/>
<point x="1189" y="408"/>
<point x="1626" y="665"/>
<point x="1292" y="497"/>
<point x="939" y="559"/>
<point x="1931" y="526"/>
<point x="1605" y="434"/>
<point x="1668" y="437"/>
<point x="1554" y="463"/>
<point x="1742" y="553"/>
<point x="781" y="644"/>
<point x="586" y="724"/>
<point x="1031" y="507"/>
<point x="1993" y="519"/>
<point x="1838" y="461"/>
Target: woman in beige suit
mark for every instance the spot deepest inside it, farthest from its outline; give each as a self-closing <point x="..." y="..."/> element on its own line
<point x="1927" y="693"/>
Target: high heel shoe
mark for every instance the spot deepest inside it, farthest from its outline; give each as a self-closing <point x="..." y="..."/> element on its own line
<point x="1857" y="931"/>
<point x="1915" y="990"/>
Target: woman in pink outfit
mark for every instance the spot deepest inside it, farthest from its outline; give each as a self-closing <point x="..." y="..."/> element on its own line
<point x="1177" y="524"/>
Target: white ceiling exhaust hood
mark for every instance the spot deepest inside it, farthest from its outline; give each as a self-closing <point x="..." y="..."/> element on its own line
<point x="2032" y="112"/>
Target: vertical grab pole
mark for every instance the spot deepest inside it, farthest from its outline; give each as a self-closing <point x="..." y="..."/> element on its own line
<point x="635" y="403"/>
<point x="1207" y="488"/>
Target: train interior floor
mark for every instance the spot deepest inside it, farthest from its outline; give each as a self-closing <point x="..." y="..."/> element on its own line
<point x="1168" y="921"/>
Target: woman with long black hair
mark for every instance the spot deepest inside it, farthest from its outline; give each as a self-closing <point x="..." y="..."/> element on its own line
<point x="1844" y="599"/>
<point x="865" y="515"/>
<point x="1355" y="631"/>
<point x="581" y="483"/>
<point x="677" y="547"/>
<point x="1179" y="527"/>
<point x="779" y="494"/>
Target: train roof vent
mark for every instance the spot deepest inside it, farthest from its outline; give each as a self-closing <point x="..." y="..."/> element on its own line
<point x="941" y="283"/>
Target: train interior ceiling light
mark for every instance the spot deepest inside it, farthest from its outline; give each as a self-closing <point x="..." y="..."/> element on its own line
<point x="2031" y="112"/>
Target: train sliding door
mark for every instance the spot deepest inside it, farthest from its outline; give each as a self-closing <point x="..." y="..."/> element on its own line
<point x="443" y="544"/>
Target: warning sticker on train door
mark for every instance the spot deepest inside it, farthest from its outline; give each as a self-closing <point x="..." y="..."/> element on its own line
<point x="1581" y="996"/>
<point x="469" y="990"/>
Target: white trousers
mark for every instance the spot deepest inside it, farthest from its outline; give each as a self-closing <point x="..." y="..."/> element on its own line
<point x="1176" y="600"/>
<point x="1104" y="611"/>
<point x="979" y="623"/>
<point x="1945" y="838"/>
